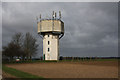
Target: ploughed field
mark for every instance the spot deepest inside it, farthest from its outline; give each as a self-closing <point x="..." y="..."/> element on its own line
<point x="85" y="69"/>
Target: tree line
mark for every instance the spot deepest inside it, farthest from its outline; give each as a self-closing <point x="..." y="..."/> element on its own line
<point x="21" y="46"/>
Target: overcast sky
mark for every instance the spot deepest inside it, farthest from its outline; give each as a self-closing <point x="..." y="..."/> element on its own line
<point x="91" y="29"/>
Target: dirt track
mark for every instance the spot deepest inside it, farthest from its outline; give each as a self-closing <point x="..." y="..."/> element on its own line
<point x="94" y="69"/>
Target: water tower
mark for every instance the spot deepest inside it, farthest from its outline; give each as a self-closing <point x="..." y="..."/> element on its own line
<point x="51" y="30"/>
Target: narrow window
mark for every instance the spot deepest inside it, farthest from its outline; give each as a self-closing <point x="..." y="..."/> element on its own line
<point x="48" y="49"/>
<point x="48" y="35"/>
<point x="48" y="42"/>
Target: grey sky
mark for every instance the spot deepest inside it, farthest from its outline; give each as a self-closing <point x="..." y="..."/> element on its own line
<point x="91" y="29"/>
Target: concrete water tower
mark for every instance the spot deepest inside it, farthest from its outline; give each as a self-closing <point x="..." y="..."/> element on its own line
<point x="51" y="30"/>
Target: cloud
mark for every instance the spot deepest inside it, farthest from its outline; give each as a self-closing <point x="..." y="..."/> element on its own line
<point x="90" y="28"/>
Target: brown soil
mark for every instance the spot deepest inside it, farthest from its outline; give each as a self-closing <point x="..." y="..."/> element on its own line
<point x="92" y="69"/>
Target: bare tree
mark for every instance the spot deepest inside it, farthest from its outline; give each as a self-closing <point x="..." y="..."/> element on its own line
<point x="17" y="39"/>
<point x="30" y="46"/>
<point x="14" y="48"/>
<point x="21" y="46"/>
<point x="11" y="50"/>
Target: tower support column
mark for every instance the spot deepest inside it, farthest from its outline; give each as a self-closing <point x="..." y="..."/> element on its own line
<point x="50" y="46"/>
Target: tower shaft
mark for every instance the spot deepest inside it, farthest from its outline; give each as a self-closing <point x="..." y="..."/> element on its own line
<point x="50" y="46"/>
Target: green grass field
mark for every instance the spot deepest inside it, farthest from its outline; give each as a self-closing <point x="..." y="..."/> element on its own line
<point x="18" y="73"/>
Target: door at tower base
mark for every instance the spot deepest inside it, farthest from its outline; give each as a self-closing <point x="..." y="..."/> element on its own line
<point x="44" y="57"/>
<point x="50" y="46"/>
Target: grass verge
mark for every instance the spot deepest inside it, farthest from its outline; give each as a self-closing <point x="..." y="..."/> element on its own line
<point x="30" y="61"/>
<point x="18" y="73"/>
<point x="83" y="60"/>
<point x="39" y="61"/>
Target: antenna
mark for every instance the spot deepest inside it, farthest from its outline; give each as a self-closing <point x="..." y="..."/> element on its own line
<point x="53" y="15"/>
<point x="40" y="16"/>
<point x="59" y="14"/>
